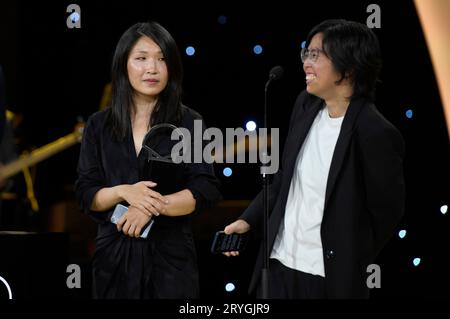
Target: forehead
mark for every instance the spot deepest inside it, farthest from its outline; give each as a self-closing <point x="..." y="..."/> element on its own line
<point x="145" y="44"/>
<point x="316" y="41"/>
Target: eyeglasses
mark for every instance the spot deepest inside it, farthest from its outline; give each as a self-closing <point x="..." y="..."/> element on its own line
<point x="310" y="54"/>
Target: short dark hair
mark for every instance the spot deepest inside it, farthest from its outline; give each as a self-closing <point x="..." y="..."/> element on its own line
<point x="168" y="107"/>
<point x="354" y="50"/>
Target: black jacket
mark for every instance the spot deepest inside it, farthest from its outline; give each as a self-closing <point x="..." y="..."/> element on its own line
<point x="364" y="198"/>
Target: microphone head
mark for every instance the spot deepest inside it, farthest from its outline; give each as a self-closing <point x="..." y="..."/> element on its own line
<point x="276" y="72"/>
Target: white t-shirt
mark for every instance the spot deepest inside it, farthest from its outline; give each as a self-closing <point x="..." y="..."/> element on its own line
<point x="298" y="244"/>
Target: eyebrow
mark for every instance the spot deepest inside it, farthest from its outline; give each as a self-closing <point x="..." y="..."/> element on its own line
<point x="146" y="52"/>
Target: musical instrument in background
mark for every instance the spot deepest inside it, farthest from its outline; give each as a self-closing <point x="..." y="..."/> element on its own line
<point x="26" y="160"/>
<point x="40" y="154"/>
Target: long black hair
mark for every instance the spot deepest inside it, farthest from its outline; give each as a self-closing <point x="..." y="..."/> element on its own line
<point x="168" y="106"/>
<point x="354" y="50"/>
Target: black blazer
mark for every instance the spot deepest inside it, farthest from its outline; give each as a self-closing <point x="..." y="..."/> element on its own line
<point x="364" y="198"/>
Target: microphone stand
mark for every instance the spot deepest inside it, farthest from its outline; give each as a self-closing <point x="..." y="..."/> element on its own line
<point x="265" y="182"/>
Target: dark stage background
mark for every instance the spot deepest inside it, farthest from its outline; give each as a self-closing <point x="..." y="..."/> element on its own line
<point x="55" y="74"/>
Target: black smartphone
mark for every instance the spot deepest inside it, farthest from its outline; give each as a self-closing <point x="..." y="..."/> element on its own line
<point x="223" y="242"/>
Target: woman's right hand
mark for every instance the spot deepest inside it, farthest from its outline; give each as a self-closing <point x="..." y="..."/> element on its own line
<point x="240" y="226"/>
<point x="141" y="196"/>
<point x="132" y="222"/>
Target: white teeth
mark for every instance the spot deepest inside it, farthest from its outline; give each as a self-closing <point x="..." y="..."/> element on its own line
<point x="310" y="77"/>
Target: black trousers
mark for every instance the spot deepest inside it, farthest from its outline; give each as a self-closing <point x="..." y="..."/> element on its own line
<point x="287" y="283"/>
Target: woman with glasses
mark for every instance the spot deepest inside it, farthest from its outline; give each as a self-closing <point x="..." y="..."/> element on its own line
<point x="340" y="191"/>
<point x="113" y="169"/>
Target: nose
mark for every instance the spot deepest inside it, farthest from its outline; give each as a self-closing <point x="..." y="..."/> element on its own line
<point x="151" y="66"/>
<point x="307" y="65"/>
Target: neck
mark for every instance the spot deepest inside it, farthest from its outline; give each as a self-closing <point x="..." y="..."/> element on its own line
<point x="143" y="106"/>
<point x="338" y="104"/>
<point x="337" y="107"/>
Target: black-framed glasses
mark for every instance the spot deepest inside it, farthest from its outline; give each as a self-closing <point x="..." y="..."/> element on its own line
<point x="312" y="54"/>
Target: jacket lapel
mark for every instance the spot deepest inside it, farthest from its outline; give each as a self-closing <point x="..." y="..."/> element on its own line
<point x="300" y="131"/>
<point x="295" y="140"/>
<point x="342" y="145"/>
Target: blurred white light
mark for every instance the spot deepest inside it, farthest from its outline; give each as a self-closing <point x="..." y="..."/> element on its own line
<point x="3" y="280"/>
<point x="409" y="114"/>
<point x="190" y="51"/>
<point x="251" y="126"/>
<point x="227" y="171"/>
<point x="444" y="209"/>
<point x="303" y="45"/>
<point x="75" y="16"/>
<point x="416" y="261"/>
<point x="229" y="287"/>
<point x="402" y="233"/>
<point x="257" y="49"/>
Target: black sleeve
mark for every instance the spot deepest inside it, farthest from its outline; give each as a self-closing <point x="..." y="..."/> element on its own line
<point x="203" y="185"/>
<point x="253" y="213"/>
<point x="382" y="161"/>
<point x="90" y="175"/>
<point x="200" y="178"/>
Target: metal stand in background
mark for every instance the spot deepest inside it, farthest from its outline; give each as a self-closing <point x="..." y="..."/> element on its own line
<point x="274" y="74"/>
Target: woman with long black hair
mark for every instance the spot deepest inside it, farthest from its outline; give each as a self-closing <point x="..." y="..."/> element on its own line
<point x="112" y="169"/>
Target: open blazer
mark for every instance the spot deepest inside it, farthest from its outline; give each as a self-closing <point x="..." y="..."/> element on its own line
<point x="364" y="198"/>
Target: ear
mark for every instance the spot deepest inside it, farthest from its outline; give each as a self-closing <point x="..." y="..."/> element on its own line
<point x="348" y="77"/>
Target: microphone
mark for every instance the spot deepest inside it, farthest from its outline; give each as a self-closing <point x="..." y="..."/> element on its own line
<point x="276" y="73"/>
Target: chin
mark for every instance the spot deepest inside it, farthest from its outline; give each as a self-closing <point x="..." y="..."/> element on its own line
<point x="310" y="90"/>
<point x="151" y="92"/>
<point x="313" y="92"/>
